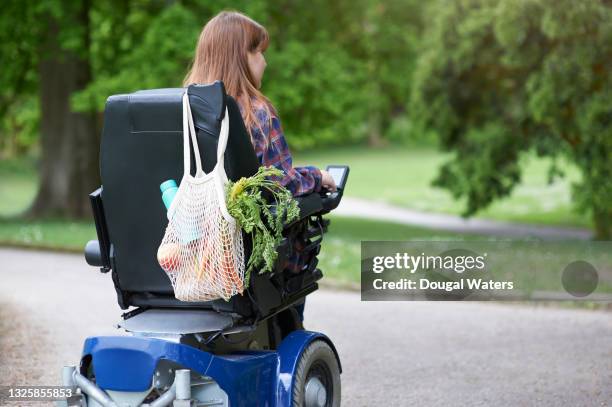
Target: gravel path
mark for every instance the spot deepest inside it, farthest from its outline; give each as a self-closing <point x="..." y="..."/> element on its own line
<point x="376" y="210"/>
<point x="393" y="353"/>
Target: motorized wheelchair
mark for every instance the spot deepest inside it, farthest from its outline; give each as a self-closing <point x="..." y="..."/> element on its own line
<point x="249" y="351"/>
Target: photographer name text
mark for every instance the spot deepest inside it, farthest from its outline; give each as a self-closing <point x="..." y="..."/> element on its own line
<point x="439" y="264"/>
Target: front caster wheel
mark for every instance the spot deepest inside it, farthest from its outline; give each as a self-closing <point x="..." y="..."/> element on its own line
<point x="317" y="378"/>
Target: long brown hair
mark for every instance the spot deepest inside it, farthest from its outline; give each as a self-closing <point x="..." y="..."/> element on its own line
<point x="221" y="54"/>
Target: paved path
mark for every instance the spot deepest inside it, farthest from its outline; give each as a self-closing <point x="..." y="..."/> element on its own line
<point x="363" y="208"/>
<point x="393" y="353"/>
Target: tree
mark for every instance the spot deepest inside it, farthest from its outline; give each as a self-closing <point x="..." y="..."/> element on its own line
<point x="497" y="79"/>
<point x="70" y="55"/>
<point x="69" y="163"/>
<point x="48" y="50"/>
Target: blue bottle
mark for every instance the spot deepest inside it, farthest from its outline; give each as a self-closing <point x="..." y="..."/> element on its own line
<point x="168" y="190"/>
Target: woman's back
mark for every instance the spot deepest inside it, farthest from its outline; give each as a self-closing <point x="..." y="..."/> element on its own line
<point x="230" y="49"/>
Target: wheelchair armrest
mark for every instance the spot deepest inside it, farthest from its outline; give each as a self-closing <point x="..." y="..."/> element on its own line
<point x="98" y="252"/>
<point x="308" y="205"/>
<point x="330" y="200"/>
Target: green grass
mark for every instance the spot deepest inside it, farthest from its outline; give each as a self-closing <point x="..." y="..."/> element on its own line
<point x="402" y="175"/>
<point x="18" y="181"/>
<point x="58" y="234"/>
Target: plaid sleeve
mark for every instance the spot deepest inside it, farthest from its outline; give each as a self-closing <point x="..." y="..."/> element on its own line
<point x="298" y="180"/>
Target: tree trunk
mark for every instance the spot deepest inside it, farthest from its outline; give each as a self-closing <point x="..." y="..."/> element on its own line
<point x="375" y="120"/>
<point x="602" y="220"/>
<point x="375" y="138"/>
<point x="68" y="169"/>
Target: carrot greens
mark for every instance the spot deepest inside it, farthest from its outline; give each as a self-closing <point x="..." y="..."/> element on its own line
<point x="246" y="203"/>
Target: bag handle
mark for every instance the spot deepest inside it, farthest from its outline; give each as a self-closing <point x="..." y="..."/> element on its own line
<point x="222" y="143"/>
<point x="189" y="127"/>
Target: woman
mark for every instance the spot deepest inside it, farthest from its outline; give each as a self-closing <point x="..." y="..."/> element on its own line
<point x="230" y="49"/>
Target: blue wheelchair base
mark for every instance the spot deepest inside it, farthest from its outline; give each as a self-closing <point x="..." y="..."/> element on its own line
<point x="263" y="378"/>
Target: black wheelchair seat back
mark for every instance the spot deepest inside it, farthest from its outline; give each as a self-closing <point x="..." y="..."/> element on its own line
<point x="141" y="147"/>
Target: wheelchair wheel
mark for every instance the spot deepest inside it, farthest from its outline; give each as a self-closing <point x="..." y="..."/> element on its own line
<point x="317" y="378"/>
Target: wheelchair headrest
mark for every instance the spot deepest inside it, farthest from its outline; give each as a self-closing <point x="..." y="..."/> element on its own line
<point x="141" y="147"/>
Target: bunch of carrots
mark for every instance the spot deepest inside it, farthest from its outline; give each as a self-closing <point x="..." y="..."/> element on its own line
<point x="251" y="210"/>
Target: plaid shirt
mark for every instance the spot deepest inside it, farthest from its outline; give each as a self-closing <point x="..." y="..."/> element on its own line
<point x="298" y="180"/>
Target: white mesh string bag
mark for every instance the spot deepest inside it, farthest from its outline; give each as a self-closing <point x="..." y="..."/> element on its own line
<point x="202" y="250"/>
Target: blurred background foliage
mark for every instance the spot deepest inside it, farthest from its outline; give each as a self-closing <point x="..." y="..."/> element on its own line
<point x="488" y="81"/>
<point x="497" y="79"/>
<point x="338" y="72"/>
